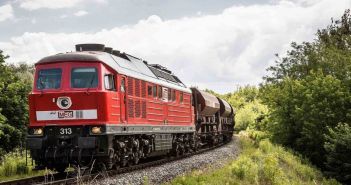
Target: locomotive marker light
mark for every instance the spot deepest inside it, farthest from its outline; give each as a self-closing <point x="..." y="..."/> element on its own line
<point x="38" y="131"/>
<point x="64" y="102"/>
<point x="96" y="130"/>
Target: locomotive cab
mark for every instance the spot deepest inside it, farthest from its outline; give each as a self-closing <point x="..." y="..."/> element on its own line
<point x="69" y="112"/>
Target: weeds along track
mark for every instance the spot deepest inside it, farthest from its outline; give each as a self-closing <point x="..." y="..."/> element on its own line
<point x="67" y="178"/>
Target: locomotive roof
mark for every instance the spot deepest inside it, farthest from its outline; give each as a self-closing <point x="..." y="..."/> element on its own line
<point x="126" y="64"/>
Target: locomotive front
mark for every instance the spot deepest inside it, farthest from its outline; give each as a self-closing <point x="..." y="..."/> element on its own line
<point x="68" y="111"/>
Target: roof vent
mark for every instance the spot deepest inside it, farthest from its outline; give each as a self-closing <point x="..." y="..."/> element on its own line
<point x="158" y="66"/>
<point x="108" y="50"/>
<point x="116" y="52"/>
<point x="90" y="47"/>
<point x="119" y="54"/>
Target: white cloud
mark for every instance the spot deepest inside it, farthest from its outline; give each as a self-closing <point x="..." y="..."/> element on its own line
<point x="210" y="51"/>
<point x="80" y="13"/>
<point x="6" y="12"/>
<point x="33" y="21"/>
<point x="63" y="16"/>
<point x="54" y="4"/>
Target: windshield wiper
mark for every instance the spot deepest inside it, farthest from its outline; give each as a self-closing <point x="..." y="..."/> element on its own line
<point x="91" y="83"/>
<point x="41" y="86"/>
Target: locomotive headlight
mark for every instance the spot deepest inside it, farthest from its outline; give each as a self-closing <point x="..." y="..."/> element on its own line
<point x="38" y="131"/>
<point x="96" y="130"/>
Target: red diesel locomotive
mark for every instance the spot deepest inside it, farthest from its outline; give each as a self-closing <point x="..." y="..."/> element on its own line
<point x="98" y="105"/>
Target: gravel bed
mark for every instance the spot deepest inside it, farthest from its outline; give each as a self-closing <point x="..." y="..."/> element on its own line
<point x="166" y="172"/>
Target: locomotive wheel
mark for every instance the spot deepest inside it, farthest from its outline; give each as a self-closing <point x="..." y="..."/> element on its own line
<point x="179" y="150"/>
<point x="136" y="158"/>
<point x="101" y="167"/>
<point x="124" y="161"/>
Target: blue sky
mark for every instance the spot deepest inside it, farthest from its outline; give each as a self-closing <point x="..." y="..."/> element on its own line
<point x="216" y="44"/>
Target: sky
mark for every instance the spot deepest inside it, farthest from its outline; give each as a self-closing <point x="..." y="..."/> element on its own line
<point x="213" y="44"/>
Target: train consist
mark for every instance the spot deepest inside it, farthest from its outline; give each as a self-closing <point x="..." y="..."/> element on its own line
<point x="104" y="107"/>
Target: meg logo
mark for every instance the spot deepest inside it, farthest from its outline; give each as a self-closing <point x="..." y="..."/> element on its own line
<point x="64" y="102"/>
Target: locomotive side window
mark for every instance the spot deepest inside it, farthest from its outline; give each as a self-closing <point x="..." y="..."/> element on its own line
<point x="123" y="85"/>
<point x="164" y="94"/>
<point x="84" y="77"/>
<point x="154" y="91"/>
<point x="109" y="82"/>
<point x="173" y="95"/>
<point x="49" y="78"/>
<point x="160" y="92"/>
<point x="149" y="90"/>
<point x="169" y="94"/>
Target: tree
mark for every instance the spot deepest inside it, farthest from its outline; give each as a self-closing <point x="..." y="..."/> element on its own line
<point x="308" y="91"/>
<point x="15" y="84"/>
<point x="338" y="147"/>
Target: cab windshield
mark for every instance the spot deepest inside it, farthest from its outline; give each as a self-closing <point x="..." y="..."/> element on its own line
<point x="49" y="79"/>
<point x="84" y="77"/>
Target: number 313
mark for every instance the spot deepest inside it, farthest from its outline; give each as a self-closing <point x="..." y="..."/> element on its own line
<point x="65" y="131"/>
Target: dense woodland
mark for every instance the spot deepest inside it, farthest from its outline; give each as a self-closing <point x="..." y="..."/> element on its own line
<point x="305" y="101"/>
<point x="303" y="104"/>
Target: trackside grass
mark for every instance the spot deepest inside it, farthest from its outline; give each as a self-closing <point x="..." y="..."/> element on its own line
<point x="260" y="162"/>
<point x="13" y="166"/>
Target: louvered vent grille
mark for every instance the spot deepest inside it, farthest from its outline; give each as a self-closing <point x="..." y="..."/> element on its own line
<point x="143" y="89"/>
<point x="130" y="86"/>
<point x="162" y="74"/>
<point x="130" y="108"/>
<point x="137" y="108"/>
<point x="143" y="109"/>
<point x="137" y="87"/>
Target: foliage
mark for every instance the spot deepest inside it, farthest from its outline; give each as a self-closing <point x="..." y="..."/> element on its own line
<point x="302" y="109"/>
<point x="309" y="91"/>
<point x="9" y="137"/>
<point x="338" y="148"/>
<point x="15" y="84"/>
<point x="251" y="115"/>
<point x="243" y="95"/>
<point x="256" y="135"/>
<point x="264" y="163"/>
<point x="249" y="111"/>
<point x="14" y="166"/>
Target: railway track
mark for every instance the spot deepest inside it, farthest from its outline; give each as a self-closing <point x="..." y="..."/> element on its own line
<point x="67" y="178"/>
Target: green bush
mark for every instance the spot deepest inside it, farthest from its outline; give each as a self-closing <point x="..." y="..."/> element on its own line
<point x="250" y="115"/>
<point x="257" y="135"/>
<point x="338" y="147"/>
<point x="245" y="168"/>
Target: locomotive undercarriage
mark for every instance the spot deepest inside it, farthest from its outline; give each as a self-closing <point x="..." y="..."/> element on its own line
<point x="114" y="151"/>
